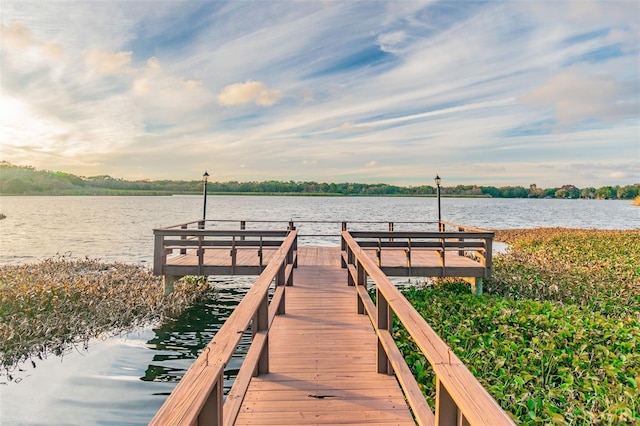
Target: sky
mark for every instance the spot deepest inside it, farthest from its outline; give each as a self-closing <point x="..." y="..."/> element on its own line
<point x="481" y="92"/>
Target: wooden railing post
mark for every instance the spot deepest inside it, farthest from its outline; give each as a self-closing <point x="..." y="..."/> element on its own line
<point x="243" y="226"/>
<point x="262" y="326"/>
<point x="385" y="322"/>
<point x="344" y="247"/>
<point x="200" y="256"/>
<point x="159" y="257"/>
<point x="488" y="256"/>
<point x="390" y="230"/>
<point x="211" y="413"/>
<point x="280" y="275"/>
<point x="461" y="252"/>
<point x="183" y="237"/>
<point x="446" y="409"/>
<point x="233" y="254"/>
<point x="362" y="280"/>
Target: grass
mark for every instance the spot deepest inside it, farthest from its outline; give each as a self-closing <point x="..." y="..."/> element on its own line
<point x="555" y="339"/>
<point x="49" y="306"/>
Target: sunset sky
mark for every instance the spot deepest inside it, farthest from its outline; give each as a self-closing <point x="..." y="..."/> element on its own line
<point x="487" y="93"/>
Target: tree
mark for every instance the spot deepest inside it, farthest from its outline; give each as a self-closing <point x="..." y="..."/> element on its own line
<point x="604" y="193"/>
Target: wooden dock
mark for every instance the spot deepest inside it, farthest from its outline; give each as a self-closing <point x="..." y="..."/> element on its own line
<point x="323" y="351"/>
<point x="322" y="367"/>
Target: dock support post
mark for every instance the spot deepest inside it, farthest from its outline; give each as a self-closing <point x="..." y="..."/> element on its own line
<point x="476" y="285"/>
<point x="168" y="282"/>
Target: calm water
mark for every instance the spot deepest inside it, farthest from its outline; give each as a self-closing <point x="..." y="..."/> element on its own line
<point x="124" y="380"/>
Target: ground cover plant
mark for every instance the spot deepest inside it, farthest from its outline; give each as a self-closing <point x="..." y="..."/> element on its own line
<point x="49" y="306"/>
<point x="555" y="339"/>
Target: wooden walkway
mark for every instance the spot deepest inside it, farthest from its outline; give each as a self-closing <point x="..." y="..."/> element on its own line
<point x="322" y="351"/>
<point x="322" y="357"/>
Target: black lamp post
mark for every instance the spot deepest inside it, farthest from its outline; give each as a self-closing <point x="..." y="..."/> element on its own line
<point x="204" y="191"/>
<point x="438" y="180"/>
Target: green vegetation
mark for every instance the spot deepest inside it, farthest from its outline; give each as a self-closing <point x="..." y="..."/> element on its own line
<point x="556" y="338"/>
<point x="49" y="306"/>
<point x="2" y="216"/>
<point x="25" y="180"/>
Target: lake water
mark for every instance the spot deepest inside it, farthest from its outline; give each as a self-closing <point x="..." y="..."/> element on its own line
<point x="124" y="380"/>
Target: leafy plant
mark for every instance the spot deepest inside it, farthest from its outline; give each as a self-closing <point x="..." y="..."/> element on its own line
<point x="556" y="341"/>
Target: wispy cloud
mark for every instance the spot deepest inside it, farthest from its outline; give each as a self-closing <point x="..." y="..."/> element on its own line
<point x="250" y="91"/>
<point x="481" y="92"/>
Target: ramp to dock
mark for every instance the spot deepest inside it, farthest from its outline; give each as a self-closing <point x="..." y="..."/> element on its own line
<point x="323" y="357"/>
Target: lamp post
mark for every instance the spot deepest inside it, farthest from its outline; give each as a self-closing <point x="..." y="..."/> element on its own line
<point x="204" y="192"/>
<point x="438" y="180"/>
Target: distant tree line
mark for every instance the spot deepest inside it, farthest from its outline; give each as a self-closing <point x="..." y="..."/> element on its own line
<point x="26" y="180"/>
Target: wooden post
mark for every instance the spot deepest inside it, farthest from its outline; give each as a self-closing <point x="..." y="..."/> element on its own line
<point x="475" y="283"/>
<point x="390" y="230"/>
<point x="385" y="322"/>
<point x="243" y="226"/>
<point x="168" y="282"/>
<point x="461" y="252"/>
<point x="280" y="275"/>
<point x="211" y="413"/>
<point x="446" y="408"/>
<point x="159" y="258"/>
<point x="488" y="257"/>
<point x="262" y="325"/>
<point x="200" y="256"/>
<point x="183" y="237"/>
<point x="233" y="255"/>
<point x="343" y="247"/>
<point x="361" y="280"/>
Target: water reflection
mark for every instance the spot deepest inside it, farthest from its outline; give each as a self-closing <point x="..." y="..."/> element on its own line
<point x="185" y="337"/>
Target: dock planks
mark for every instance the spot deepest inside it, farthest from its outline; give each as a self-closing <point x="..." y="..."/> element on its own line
<point x="322" y="357"/>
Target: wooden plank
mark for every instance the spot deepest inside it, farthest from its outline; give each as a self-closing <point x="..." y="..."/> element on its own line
<point x="322" y="365"/>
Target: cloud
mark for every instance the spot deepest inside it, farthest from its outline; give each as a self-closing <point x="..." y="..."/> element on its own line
<point x="250" y="91"/>
<point x="372" y="163"/>
<point x="19" y="38"/>
<point x="389" y="42"/>
<point x="107" y="63"/>
<point x="17" y="35"/>
<point x="575" y="97"/>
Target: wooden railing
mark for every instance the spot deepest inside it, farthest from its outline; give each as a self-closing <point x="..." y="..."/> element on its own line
<point x="184" y="238"/>
<point x="475" y="243"/>
<point x="460" y="398"/>
<point x="198" y="398"/>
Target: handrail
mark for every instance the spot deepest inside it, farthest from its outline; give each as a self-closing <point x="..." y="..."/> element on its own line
<point x="198" y="398"/>
<point x="201" y="239"/>
<point x="460" y="398"/>
<point x="479" y="242"/>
